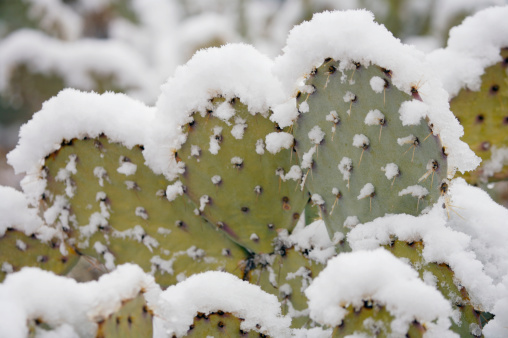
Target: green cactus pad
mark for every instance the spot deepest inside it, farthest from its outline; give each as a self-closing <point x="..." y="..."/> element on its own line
<point x="446" y="284"/>
<point x="219" y="324"/>
<point x="18" y="250"/>
<point x="134" y="319"/>
<point x="374" y="321"/>
<point x="236" y="187"/>
<point x="360" y="162"/>
<point x="286" y="275"/>
<point x="484" y="115"/>
<point x="118" y="218"/>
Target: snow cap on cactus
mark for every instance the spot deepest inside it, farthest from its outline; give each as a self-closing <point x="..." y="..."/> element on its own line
<point x="473" y="46"/>
<point x="75" y="114"/>
<point x="25" y="295"/>
<point x="220" y="291"/>
<point x="353" y="36"/>
<point x="352" y="278"/>
<point x="231" y="71"/>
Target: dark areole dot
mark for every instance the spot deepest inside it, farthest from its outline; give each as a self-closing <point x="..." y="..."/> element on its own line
<point x="480" y="118"/>
<point x="494" y="89"/>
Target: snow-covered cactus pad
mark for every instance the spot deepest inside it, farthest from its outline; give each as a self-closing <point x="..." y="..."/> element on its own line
<point x="97" y="192"/>
<point x="25" y="241"/>
<point x="374" y="133"/>
<point x="473" y="68"/>
<point x="373" y="293"/>
<point x="236" y="165"/>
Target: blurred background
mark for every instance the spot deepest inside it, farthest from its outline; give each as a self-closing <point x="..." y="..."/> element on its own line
<point x="133" y="46"/>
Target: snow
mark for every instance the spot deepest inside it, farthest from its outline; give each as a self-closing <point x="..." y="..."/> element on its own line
<point x="260" y="147"/>
<point x="216" y="179"/>
<point x="316" y="135"/>
<point x="77" y="306"/>
<point x="391" y="170"/>
<point x="277" y="141"/>
<point x="127" y="168"/>
<point x="239" y="128"/>
<point x="314" y="239"/>
<point x="351" y="222"/>
<point x="472" y="46"/>
<point x="285" y="114"/>
<point x="232" y="71"/>
<point x="16" y="212"/>
<point x="317" y="199"/>
<point x="377" y="84"/>
<point x="304" y="107"/>
<point x="470" y="242"/>
<point x="415" y="191"/>
<point x="215" y="140"/>
<point x="360" y="141"/>
<point x="348" y="97"/>
<point x="410" y="139"/>
<point x="345" y="166"/>
<point x="411" y="112"/>
<point x="366" y="191"/>
<point x="498" y="159"/>
<point x="174" y="190"/>
<point x="347" y="279"/>
<point x="213" y="291"/>
<point x="224" y="111"/>
<point x="74" y="114"/>
<point x="353" y="36"/>
<point x="374" y="117"/>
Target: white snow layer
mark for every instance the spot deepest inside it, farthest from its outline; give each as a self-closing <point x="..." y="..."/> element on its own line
<point x="472" y="243"/>
<point x="352" y="278"/>
<point x="353" y="36"/>
<point x="473" y="46"/>
<point x="213" y="291"/>
<point x="277" y="141"/>
<point x="16" y="213"/>
<point x="78" y="305"/>
<point x="233" y="71"/>
<point x="74" y="114"/>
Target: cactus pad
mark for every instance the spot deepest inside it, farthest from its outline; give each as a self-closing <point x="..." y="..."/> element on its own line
<point x="235" y="183"/>
<point x="119" y="213"/>
<point x="359" y="160"/>
<point x="446" y="283"/>
<point x="18" y="250"/>
<point x="484" y="115"/>
<point x="219" y="324"/>
<point x="134" y="319"/>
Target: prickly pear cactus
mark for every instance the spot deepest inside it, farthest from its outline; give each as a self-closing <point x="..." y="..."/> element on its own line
<point x="235" y="182"/>
<point x="119" y="212"/>
<point x="134" y="319"/>
<point x="360" y="160"/>
<point x="445" y="280"/>
<point x="18" y="250"/>
<point x="219" y="324"/>
<point x="484" y="115"/>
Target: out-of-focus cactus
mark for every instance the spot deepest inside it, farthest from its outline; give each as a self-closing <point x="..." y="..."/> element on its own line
<point x="484" y="115"/>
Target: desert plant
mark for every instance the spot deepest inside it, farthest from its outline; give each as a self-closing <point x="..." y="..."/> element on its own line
<point x="217" y="175"/>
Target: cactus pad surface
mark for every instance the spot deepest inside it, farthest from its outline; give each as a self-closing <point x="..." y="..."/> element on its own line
<point x="484" y="115"/>
<point x="359" y="160"/>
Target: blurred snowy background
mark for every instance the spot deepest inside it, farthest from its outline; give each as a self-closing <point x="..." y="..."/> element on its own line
<point x="133" y="46"/>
